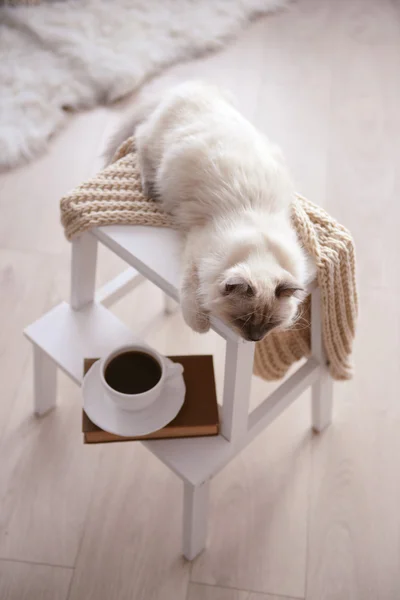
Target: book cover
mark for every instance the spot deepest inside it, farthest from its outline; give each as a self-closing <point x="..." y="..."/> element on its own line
<point x="197" y="417"/>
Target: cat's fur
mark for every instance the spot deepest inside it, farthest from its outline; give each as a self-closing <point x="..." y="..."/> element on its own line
<point x="229" y="190"/>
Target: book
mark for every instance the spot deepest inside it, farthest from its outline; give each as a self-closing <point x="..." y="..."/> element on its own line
<point x="197" y="417"/>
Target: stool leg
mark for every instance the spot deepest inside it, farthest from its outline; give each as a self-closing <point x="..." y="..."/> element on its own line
<point x="170" y="305"/>
<point x="83" y="270"/>
<point x="45" y="381"/>
<point x="239" y="358"/>
<point x="322" y="402"/>
<point x="195" y="513"/>
<point x="322" y="389"/>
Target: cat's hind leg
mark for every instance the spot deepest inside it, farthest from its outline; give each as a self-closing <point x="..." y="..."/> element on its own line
<point x="147" y="173"/>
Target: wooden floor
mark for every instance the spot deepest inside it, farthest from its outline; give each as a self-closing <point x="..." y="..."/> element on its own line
<point x="296" y="515"/>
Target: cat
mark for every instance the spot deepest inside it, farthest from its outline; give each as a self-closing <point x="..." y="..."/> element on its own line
<point x="229" y="191"/>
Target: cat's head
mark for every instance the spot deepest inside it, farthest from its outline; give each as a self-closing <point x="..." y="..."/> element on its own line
<point x="253" y="304"/>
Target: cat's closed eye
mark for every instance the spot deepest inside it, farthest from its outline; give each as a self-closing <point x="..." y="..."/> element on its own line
<point x="242" y="288"/>
<point x="287" y="289"/>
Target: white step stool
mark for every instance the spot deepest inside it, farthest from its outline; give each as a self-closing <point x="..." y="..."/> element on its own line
<point x="86" y="328"/>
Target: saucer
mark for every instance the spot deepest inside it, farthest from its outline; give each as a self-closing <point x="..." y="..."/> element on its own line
<point x="105" y="414"/>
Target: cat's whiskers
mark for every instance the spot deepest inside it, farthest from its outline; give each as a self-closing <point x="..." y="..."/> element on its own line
<point x="300" y="319"/>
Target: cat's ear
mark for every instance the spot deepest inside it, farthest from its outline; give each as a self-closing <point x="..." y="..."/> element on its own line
<point x="237" y="284"/>
<point x="289" y="289"/>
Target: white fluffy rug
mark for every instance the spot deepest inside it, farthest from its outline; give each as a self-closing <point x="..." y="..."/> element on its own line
<point x="79" y="53"/>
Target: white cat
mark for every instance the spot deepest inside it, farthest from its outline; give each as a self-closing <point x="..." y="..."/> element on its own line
<point x="229" y="190"/>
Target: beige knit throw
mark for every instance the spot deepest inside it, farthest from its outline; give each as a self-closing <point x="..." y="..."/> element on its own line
<point x="114" y="197"/>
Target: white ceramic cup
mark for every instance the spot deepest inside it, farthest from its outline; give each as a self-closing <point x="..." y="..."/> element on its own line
<point x="133" y="402"/>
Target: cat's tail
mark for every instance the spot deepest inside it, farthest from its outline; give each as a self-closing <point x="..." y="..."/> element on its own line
<point x="127" y="128"/>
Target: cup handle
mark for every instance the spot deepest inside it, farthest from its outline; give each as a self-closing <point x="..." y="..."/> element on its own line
<point x="173" y="369"/>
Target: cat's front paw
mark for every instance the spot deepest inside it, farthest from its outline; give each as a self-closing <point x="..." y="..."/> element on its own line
<point x="201" y="323"/>
<point x="198" y="321"/>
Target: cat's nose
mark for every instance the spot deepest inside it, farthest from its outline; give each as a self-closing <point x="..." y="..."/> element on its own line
<point x="255" y="333"/>
<point x="255" y="338"/>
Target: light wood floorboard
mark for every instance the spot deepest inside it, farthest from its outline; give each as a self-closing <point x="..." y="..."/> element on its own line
<point x="206" y="592"/>
<point x="24" y="581"/>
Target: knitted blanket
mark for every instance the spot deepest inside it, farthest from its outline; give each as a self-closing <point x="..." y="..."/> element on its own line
<point x="114" y="197"/>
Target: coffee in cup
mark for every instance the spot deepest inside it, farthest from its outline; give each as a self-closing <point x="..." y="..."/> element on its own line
<point x="133" y="376"/>
<point x="132" y="372"/>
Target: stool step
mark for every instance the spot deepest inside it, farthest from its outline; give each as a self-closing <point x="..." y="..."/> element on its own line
<point x="68" y="336"/>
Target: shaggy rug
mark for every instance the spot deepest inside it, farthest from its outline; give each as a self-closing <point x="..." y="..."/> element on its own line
<point x="74" y="54"/>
